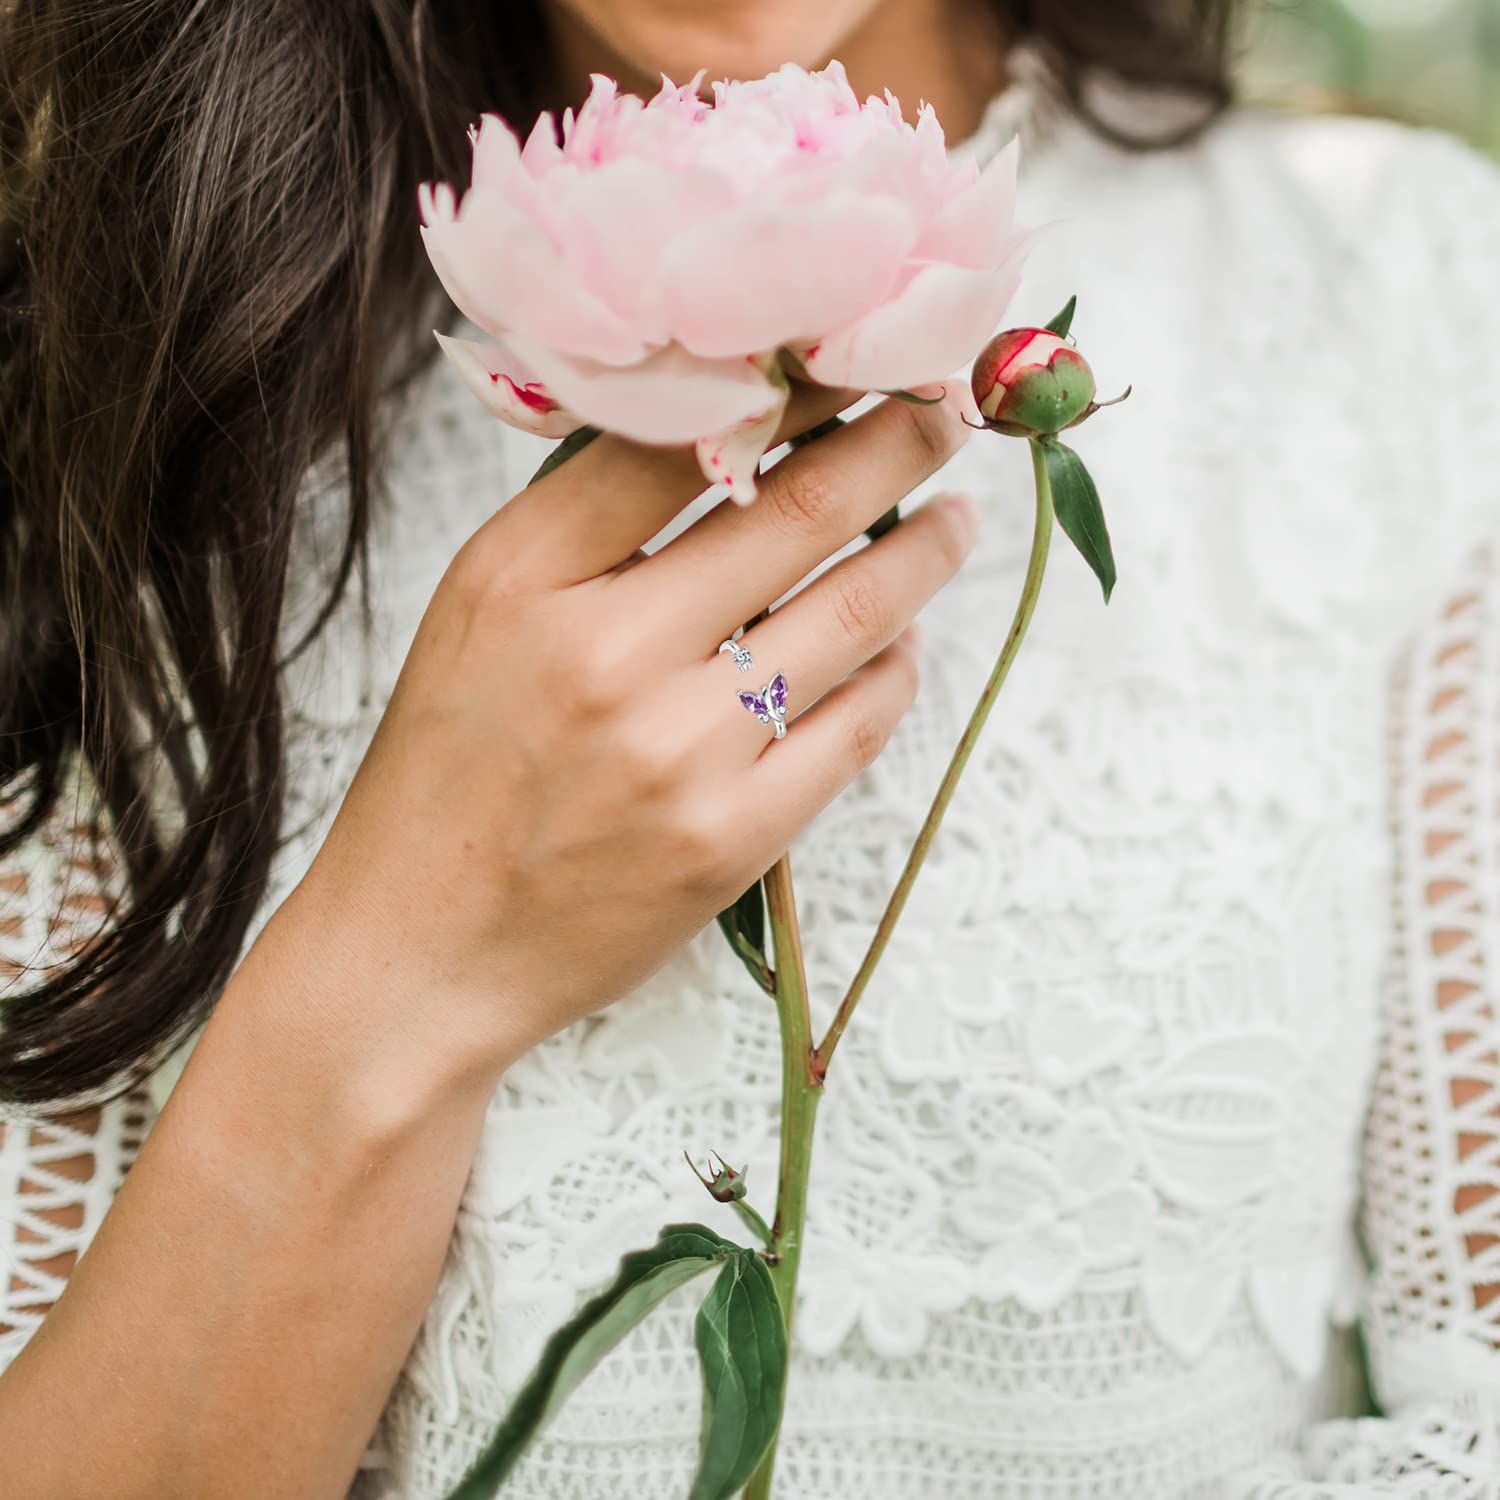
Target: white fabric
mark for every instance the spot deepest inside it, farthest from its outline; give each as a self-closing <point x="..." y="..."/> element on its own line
<point x="1086" y="1178"/>
<point x="58" y="1174"/>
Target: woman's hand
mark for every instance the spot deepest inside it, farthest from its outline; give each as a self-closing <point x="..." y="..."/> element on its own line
<point x="564" y="787"/>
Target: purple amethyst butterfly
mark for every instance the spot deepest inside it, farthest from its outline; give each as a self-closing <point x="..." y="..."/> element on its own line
<point x="769" y="704"/>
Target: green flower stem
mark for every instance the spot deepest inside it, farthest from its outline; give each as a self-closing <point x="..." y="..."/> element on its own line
<point x="1030" y="591"/>
<point x="804" y="1066"/>
<point x="801" y="1088"/>
<point x="753" y="1221"/>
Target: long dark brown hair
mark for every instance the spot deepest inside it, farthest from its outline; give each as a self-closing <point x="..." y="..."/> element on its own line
<point x="209" y="275"/>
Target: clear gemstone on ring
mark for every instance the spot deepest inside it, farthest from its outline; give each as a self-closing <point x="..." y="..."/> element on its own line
<point x="740" y="656"/>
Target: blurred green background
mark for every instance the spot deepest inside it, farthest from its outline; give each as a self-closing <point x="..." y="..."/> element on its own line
<point x="1434" y="62"/>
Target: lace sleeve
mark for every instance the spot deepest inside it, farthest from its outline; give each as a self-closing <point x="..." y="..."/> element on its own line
<point x="1431" y="1203"/>
<point x="59" y="1172"/>
<point x="1430" y="1218"/>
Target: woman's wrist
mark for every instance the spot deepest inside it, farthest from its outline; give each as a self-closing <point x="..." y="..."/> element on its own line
<point x="387" y="1026"/>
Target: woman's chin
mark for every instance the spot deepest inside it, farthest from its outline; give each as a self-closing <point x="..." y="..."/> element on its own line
<point x="723" y="38"/>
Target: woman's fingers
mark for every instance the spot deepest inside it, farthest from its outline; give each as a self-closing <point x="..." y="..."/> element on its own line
<point x="856" y="609"/>
<point x="737" y="560"/>
<point x="591" y="513"/>
<point x="833" y="742"/>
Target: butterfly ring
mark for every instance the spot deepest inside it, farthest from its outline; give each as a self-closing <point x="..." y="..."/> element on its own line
<point x="769" y="704"/>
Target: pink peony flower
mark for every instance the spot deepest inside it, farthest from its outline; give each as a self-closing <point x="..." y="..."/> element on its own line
<point x="657" y="272"/>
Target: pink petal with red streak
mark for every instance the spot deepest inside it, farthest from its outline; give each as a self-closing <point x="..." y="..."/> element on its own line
<point x="507" y="387"/>
<point x="669" y="397"/>
<point x="733" y="457"/>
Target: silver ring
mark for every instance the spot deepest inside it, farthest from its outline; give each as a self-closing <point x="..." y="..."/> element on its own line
<point x="769" y="704"/>
<point x="742" y="658"/>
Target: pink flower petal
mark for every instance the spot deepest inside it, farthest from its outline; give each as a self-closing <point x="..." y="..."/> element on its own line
<point x="938" y="323"/>
<point x="612" y="221"/>
<point x="670" y="397"/>
<point x="496" y="164"/>
<point x="507" y="276"/>
<point x="767" y="274"/>
<point x="733" y="457"/>
<point x="976" y="227"/>
<point x="500" y="379"/>
<point x="541" y="152"/>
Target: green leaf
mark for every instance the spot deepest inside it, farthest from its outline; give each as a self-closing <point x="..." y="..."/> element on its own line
<point x="645" y="1277"/>
<point x="742" y="1344"/>
<point x="747" y="917"/>
<point x="744" y="925"/>
<point x="1063" y="322"/>
<point x="1078" y="510"/>
<point x="913" y="399"/>
<point x="575" y="442"/>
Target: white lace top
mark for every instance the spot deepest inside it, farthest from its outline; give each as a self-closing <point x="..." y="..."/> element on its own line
<point x="1222" y="884"/>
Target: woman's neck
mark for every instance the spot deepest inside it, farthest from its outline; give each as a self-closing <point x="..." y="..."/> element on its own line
<point x="950" y="53"/>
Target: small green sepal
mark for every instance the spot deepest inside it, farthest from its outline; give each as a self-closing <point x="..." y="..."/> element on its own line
<point x="1063" y="322"/>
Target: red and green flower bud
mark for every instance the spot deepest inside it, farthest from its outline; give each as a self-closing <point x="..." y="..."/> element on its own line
<point x="726" y="1185"/>
<point x="1031" y="383"/>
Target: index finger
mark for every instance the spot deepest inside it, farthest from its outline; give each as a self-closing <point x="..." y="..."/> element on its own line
<point x="592" y="512"/>
<point x="736" y="560"/>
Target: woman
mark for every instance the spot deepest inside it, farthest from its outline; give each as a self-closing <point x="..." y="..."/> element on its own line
<point x="1082" y="1197"/>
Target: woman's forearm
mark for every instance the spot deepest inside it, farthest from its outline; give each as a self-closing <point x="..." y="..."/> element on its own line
<point x="238" y="1322"/>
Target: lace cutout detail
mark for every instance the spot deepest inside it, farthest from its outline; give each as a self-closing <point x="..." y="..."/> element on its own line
<point x="1432" y="1167"/>
<point x="58" y="1177"/>
<point x="59" y="1172"/>
<point x="1431" y="1214"/>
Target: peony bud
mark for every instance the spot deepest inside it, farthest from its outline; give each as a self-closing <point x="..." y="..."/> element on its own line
<point x="726" y="1185"/>
<point x="1031" y="383"/>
